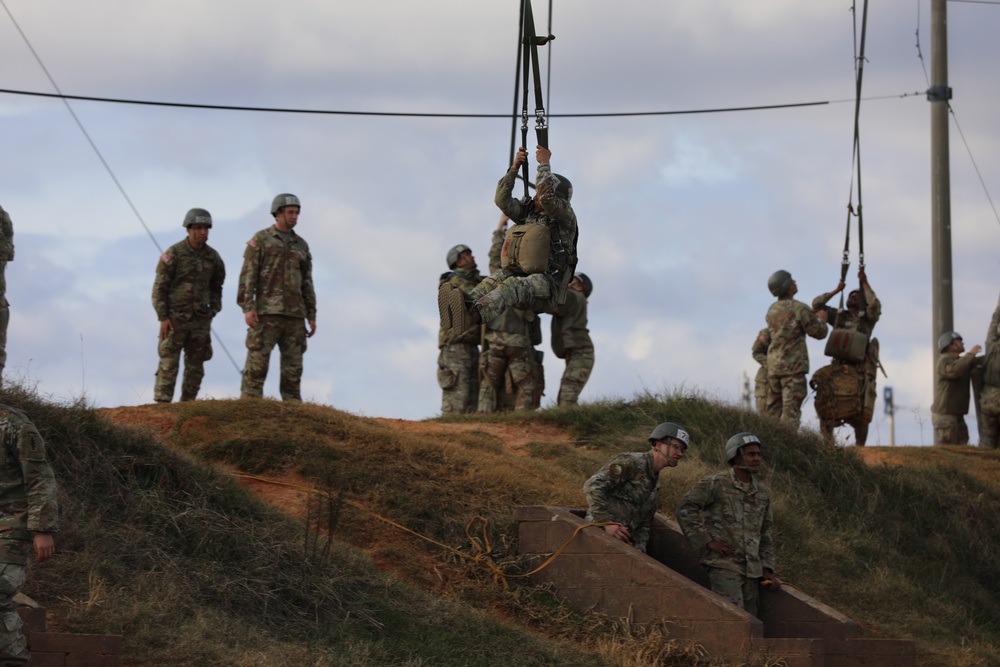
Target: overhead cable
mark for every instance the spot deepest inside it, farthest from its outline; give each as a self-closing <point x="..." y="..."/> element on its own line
<point x="410" y="114"/>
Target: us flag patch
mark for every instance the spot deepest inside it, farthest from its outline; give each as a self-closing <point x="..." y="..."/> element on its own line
<point x="165" y="257"/>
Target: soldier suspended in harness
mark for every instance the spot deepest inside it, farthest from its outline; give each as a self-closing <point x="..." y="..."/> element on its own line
<point x="846" y="388"/>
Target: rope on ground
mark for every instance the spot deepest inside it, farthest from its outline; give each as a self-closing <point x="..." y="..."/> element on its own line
<point x="482" y="547"/>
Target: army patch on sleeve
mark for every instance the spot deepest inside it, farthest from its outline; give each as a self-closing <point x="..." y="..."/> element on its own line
<point x="166" y="258"/>
<point x="616" y="469"/>
<point x="252" y="243"/>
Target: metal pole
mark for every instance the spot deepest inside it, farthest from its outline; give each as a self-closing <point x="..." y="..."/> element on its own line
<point x="938" y="95"/>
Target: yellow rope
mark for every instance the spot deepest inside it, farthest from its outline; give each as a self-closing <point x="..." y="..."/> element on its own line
<point x="483" y="548"/>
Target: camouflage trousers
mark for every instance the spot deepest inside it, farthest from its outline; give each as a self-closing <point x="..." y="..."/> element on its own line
<point x="4" y="320"/>
<point x="194" y="339"/>
<point x="289" y="334"/>
<point x="785" y="394"/>
<point x="950" y="429"/>
<point x="737" y="588"/>
<point x="579" y="364"/>
<point x="989" y="428"/>
<point x="458" y="377"/>
<point x="494" y="365"/>
<point x="504" y="290"/>
<point x="13" y="645"/>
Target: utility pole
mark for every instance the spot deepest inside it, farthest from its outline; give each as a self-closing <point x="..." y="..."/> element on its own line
<point x="938" y="95"/>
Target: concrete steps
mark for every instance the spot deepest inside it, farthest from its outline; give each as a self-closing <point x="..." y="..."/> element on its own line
<point x="599" y="573"/>
<point x="60" y="649"/>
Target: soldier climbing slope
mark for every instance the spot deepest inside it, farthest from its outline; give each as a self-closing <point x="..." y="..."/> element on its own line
<point x="846" y="389"/>
<point x="789" y="321"/>
<point x="626" y="490"/>
<point x="727" y="519"/>
<point x="539" y="255"/>
<point x="187" y="294"/>
<point x="458" y="359"/>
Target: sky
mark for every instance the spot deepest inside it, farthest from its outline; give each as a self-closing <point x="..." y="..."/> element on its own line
<point x="682" y="217"/>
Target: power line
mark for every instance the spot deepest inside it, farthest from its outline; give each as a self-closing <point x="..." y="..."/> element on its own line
<point x="410" y="114"/>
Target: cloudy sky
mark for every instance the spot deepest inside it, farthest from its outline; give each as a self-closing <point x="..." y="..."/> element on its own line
<point x="682" y="217"/>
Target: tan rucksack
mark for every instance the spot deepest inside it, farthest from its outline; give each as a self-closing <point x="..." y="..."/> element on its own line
<point x="526" y="248"/>
<point x="847" y="344"/>
<point x="454" y="312"/>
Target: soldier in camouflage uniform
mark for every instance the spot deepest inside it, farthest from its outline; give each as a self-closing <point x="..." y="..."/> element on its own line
<point x="509" y="349"/>
<point x="277" y="297"/>
<point x="458" y="359"/>
<point x="727" y="519"/>
<point x="626" y="490"/>
<point x="187" y="294"/>
<point x="855" y="318"/>
<point x="789" y="321"/>
<point x="989" y="426"/>
<point x="951" y="396"/>
<point x="29" y="516"/>
<point x="6" y="255"/>
<point x="571" y="340"/>
<point x="759" y="352"/>
<point x="538" y="292"/>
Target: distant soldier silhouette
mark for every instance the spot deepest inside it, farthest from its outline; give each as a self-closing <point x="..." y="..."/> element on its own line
<point x="6" y="255"/>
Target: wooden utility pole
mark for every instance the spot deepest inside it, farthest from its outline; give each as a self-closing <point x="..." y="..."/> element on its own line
<point x="938" y="95"/>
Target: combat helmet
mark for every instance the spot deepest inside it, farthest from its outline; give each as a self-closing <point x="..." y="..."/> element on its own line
<point x="946" y="339"/>
<point x="588" y="285"/>
<point x="283" y="200"/>
<point x="779" y="282"/>
<point x="670" y="430"/>
<point x="738" y="441"/>
<point x="455" y="253"/>
<point x="564" y="189"/>
<point x="198" y="216"/>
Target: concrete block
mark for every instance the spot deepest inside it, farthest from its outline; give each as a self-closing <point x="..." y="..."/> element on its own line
<point x="92" y="660"/>
<point x="531" y="538"/>
<point x="882" y="652"/>
<point x="60" y="642"/>
<point x="533" y="513"/>
<point x="33" y="617"/>
<point x="48" y="659"/>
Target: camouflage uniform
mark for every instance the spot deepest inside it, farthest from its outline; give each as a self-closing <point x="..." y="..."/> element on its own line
<point x="571" y="341"/>
<point x="538" y="292"/>
<point x="789" y="321"/>
<point x="458" y="360"/>
<point x="27" y="506"/>
<point x="951" y="400"/>
<point x="6" y="255"/>
<point x="759" y="352"/>
<point x="276" y="282"/>
<point x="627" y="491"/>
<point x="721" y="508"/>
<point x="863" y="321"/>
<point x="989" y="428"/>
<point x="508" y="352"/>
<point x="187" y="291"/>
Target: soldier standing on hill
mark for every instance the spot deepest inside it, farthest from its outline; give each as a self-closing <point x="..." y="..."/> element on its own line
<point x="277" y="297"/>
<point x="951" y="396"/>
<point x="571" y="340"/>
<point x="458" y="359"/>
<point x="759" y="352"/>
<point x="509" y="347"/>
<point x="989" y="428"/>
<point x="789" y="321"/>
<point x="187" y="294"/>
<point x="6" y="255"/>
<point x="626" y="490"/>
<point x="29" y="516"/>
<point x="727" y="519"/>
